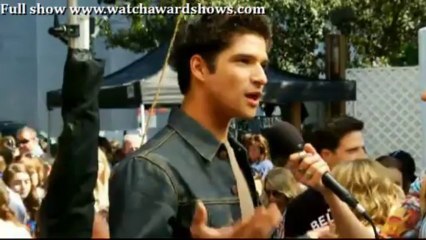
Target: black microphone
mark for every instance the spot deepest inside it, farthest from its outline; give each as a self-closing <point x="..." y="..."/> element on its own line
<point x="286" y="134"/>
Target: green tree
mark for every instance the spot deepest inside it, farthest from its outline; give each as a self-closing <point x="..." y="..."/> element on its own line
<point x="382" y="32"/>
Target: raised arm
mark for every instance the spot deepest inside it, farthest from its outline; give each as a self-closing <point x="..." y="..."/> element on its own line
<point x="68" y="208"/>
<point x="309" y="170"/>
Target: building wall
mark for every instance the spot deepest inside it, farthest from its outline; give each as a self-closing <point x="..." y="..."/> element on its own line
<point x="31" y="63"/>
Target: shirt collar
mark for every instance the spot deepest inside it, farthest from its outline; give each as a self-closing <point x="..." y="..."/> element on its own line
<point x="201" y="139"/>
<point x="196" y="135"/>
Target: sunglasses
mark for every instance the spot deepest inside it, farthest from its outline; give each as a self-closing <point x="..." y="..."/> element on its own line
<point x="274" y="193"/>
<point x="23" y="141"/>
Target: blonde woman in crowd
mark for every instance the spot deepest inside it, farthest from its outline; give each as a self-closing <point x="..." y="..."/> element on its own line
<point x="18" y="179"/>
<point x="280" y="187"/>
<point x="10" y="227"/>
<point x="100" y="225"/>
<point x="35" y="169"/>
<point x="373" y="185"/>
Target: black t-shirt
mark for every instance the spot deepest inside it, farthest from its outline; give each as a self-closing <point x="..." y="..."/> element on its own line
<point x="306" y="212"/>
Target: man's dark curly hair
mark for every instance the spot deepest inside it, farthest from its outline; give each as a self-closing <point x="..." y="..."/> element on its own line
<point x="208" y="35"/>
<point x="335" y="129"/>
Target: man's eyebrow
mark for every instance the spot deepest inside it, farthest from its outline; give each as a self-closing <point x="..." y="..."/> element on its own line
<point x="265" y="62"/>
<point x="246" y="55"/>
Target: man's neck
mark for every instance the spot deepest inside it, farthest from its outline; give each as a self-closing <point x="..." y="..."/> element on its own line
<point x="205" y="115"/>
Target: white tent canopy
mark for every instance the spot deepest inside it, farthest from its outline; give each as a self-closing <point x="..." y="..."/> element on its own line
<point x="169" y="88"/>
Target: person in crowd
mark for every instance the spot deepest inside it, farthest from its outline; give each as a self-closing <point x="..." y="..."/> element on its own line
<point x="35" y="169"/>
<point x="404" y="163"/>
<point x="131" y="143"/>
<point x="405" y="221"/>
<point x="167" y="188"/>
<point x="43" y="142"/>
<point x="7" y="155"/>
<point x="28" y="143"/>
<point x="100" y="224"/>
<point x="47" y="166"/>
<point x="393" y="165"/>
<point x="340" y="140"/>
<point x="18" y="179"/>
<point x="373" y="186"/>
<point x="258" y="151"/>
<point x="10" y="226"/>
<point x="115" y="146"/>
<point x="17" y="205"/>
<point x="8" y="144"/>
<point x="102" y="183"/>
<point x="106" y="147"/>
<point x="280" y="187"/>
<point x="245" y="139"/>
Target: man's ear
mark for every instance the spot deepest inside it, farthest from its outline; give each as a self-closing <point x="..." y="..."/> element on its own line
<point x="325" y="154"/>
<point x="198" y="67"/>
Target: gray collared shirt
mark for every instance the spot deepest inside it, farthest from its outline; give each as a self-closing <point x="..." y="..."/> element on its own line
<point x="153" y="191"/>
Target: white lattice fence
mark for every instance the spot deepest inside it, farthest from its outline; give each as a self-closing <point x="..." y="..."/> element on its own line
<point x="388" y="102"/>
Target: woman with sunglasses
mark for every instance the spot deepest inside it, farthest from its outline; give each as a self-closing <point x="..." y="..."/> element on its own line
<point x="280" y="187"/>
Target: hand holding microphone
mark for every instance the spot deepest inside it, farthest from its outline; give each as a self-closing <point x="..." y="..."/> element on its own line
<point x="307" y="165"/>
<point x="309" y="168"/>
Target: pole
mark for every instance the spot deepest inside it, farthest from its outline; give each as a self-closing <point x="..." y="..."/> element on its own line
<point x="336" y="60"/>
<point x="49" y="130"/>
<point x="142" y="122"/>
<point x="422" y="84"/>
<point x="83" y="21"/>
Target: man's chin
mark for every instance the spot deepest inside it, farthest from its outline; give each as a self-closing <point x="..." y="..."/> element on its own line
<point x="247" y="115"/>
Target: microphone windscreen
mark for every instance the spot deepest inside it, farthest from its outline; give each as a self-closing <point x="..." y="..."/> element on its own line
<point x="284" y="139"/>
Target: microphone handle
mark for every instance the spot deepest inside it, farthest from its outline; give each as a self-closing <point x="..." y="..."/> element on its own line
<point x="344" y="195"/>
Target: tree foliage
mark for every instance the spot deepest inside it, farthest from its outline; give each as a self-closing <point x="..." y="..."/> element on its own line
<point x="382" y="32"/>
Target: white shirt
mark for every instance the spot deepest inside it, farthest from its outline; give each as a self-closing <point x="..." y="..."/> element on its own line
<point x="10" y="230"/>
<point x="17" y="206"/>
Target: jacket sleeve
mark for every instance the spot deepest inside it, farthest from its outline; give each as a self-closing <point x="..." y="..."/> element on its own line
<point x="143" y="201"/>
<point x="68" y="207"/>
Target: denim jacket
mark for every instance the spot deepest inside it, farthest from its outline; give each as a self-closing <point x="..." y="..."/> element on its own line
<point x="153" y="192"/>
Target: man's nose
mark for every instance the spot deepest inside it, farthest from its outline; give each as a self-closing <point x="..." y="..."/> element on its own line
<point x="259" y="77"/>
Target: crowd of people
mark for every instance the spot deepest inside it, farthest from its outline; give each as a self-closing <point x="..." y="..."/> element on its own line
<point x="25" y="164"/>
<point x="192" y="179"/>
<point x="380" y="184"/>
